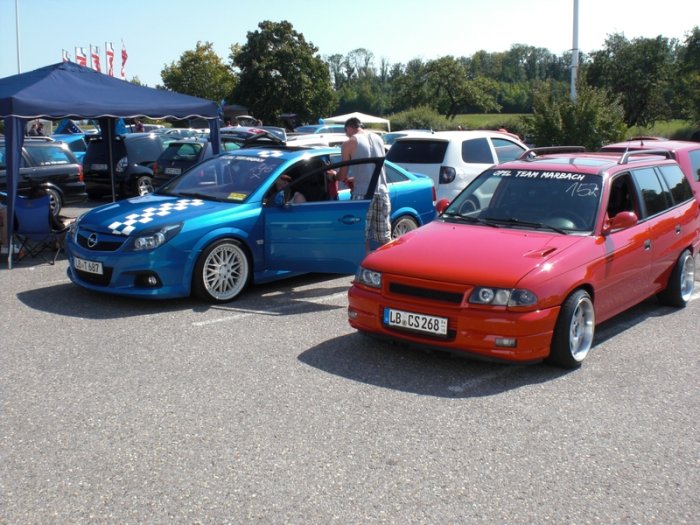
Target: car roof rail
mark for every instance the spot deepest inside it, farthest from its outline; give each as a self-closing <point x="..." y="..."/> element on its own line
<point x="39" y="138"/>
<point x="633" y="153"/>
<point x="532" y="154"/>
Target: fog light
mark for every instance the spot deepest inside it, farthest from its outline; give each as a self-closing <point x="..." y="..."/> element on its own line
<point x="506" y="342"/>
<point x="147" y="280"/>
<point x="151" y="280"/>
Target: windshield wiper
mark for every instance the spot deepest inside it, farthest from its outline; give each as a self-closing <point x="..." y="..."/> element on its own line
<point x="204" y="196"/>
<point x="470" y="219"/>
<point x="529" y="224"/>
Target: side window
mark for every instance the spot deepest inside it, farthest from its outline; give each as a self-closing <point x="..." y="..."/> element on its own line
<point x="476" y="151"/>
<point x="677" y="183"/>
<point x="695" y="163"/>
<point x="622" y="196"/>
<point x="506" y="150"/>
<point x="393" y="175"/>
<point x="48" y="156"/>
<point x="655" y="198"/>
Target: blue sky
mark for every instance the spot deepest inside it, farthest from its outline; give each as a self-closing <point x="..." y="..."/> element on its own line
<point x="157" y="32"/>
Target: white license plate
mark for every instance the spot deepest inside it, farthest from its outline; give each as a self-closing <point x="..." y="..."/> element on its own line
<point x="99" y="167"/>
<point x="418" y="322"/>
<point x="173" y="171"/>
<point x="87" y="266"/>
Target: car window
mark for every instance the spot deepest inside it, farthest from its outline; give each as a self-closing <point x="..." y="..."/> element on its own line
<point x="677" y="182"/>
<point x="477" y="151"/>
<point x="186" y="152"/>
<point x="417" y="151"/>
<point x="623" y="196"/>
<point x="506" y="150"/>
<point x="49" y="156"/>
<point x="694" y="157"/>
<point x="654" y="197"/>
<point x="394" y="175"/>
<point x="143" y="150"/>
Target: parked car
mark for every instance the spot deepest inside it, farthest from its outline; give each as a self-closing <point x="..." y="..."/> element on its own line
<point x="228" y="221"/>
<point x="527" y="260"/>
<point x="686" y="154"/>
<point x="393" y="136"/>
<point x="76" y="143"/>
<point x="454" y="158"/>
<point x="320" y="128"/>
<point x="47" y="167"/>
<point x="133" y="156"/>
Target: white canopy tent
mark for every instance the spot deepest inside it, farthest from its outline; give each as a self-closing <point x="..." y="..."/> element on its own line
<point x="364" y="118"/>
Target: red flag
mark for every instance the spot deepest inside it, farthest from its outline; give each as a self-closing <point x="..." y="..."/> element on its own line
<point x="81" y="56"/>
<point x="109" y="53"/>
<point x="95" y="56"/>
<point x="124" y="57"/>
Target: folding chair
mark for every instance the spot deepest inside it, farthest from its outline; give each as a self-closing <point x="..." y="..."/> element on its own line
<point x="36" y="229"/>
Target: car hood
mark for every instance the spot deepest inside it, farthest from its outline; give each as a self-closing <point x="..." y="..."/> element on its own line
<point x="469" y="254"/>
<point x="133" y="215"/>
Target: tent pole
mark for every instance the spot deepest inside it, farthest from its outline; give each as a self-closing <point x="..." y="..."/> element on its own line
<point x="110" y="129"/>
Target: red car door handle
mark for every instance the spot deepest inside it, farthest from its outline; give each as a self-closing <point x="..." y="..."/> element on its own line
<point x="647" y="244"/>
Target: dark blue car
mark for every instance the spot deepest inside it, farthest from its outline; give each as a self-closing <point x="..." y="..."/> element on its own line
<point x="228" y="222"/>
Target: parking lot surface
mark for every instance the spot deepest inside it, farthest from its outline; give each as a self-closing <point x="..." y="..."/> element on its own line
<point x="271" y="409"/>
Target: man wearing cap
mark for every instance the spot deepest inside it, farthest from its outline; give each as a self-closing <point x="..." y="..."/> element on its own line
<point x="362" y="145"/>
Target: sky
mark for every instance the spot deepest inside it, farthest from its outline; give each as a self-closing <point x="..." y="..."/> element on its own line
<point x="155" y="33"/>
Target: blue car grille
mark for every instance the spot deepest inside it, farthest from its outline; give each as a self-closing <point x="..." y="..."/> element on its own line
<point x="99" y="241"/>
<point x="97" y="280"/>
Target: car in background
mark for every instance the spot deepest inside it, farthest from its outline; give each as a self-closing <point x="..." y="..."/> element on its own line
<point x="524" y="263"/>
<point x="76" y="142"/>
<point x="320" y="128"/>
<point x="393" y="136"/>
<point x="133" y="156"/>
<point x="228" y="222"/>
<point x="686" y="154"/>
<point x="47" y="167"/>
<point x="454" y="158"/>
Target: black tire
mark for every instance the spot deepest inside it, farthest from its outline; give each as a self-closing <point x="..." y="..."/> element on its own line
<point x="573" y="332"/>
<point x="403" y="225"/>
<point x="681" y="282"/>
<point x="222" y="272"/>
<point x="55" y="201"/>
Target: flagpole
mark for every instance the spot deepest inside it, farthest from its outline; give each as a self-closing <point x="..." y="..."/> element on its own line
<point x="19" y="64"/>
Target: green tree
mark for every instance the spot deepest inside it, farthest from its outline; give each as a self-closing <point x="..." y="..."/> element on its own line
<point x="688" y="92"/>
<point x="200" y="73"/>
<point x="281" y="72"/>
<point x="595" y="118"/>
<point x="640" y="71"/>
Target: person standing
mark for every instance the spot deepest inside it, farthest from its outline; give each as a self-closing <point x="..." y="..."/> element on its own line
<point x="362" y="145"/>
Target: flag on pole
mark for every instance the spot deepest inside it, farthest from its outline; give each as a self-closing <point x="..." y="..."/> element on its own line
<point x="66" y="56"/>
<point x="81" y="56"/>
<point x="109" y="53"/>
<point x="95" y="57"/>
<point x="124" y="57"/>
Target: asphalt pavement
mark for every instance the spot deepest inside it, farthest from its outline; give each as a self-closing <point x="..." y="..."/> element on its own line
<point x="271" y="409"/>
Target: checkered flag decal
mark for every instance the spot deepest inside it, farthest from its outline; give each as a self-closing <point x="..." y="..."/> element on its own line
<point x="146" y="215"/>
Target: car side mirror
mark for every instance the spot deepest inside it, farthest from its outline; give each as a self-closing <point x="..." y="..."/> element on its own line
<point x="622" y="220"/>
<point x="442" y="205"/>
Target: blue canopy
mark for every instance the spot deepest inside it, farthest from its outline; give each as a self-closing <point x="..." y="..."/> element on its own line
<point x="67" y="90"/>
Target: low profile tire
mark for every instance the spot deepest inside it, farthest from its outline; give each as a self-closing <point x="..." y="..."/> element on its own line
<point x="55" y="202"/>
<point x="574" y="331"/>
<point x="681" y="283"/>
<point x="222" y="271"/>
<point x="403" y="224"/>
<point x="143" y="186"/>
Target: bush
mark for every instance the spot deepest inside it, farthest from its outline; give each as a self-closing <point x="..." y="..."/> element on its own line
<point x="421" y="117"/>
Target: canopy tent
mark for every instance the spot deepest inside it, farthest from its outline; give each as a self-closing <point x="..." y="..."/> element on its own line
<point x="67" y="90"/>
<point x="364" y="118"/>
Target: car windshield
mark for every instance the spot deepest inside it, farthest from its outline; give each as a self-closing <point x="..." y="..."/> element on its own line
<point x="553" y="200"/>
<point x="228" y="177"/>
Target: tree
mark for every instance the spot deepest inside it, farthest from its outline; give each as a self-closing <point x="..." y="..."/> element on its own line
<point x="200" y="73"/>
<point x="640" y="72"/>
<point x="281" y="72"/>
<point x="688" y="93"/>
<point x="595" y="118"/>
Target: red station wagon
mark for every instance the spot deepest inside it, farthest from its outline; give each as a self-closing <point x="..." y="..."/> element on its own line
<point x="524" y="262"/>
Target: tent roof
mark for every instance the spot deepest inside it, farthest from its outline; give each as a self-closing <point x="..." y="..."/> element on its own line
<point x="69" y="90"/>
<point x="364" y="118"/>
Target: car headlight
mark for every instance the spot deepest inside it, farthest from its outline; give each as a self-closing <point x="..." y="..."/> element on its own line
<point x="502" y="296"/>
<point x="149" y="240"/>
<point x="121" y="165"/>
<point x="368" y="277"/>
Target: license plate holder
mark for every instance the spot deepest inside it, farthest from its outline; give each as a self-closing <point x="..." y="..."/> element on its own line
<point x="94" y="267"/>
<point x="415" y="322"/>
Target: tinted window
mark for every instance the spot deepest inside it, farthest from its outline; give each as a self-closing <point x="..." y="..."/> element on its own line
<point x="695" y="163"/>
<point x="417" y="151"/>
<point x="143" y="150"/>
<point x="677" y="183"/>
<point x="507" y="150"/>
<point x="49" y="156"/>
<point x="393" y="175"/>
<point x="188" y="151"/>
<point x="655" y="198"/>
<point x="477" y="151"/>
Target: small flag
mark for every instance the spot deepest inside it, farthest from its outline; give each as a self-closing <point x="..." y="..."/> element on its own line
<point x="81" y="56"/>
<point x="109" y="53"/>
<point x="66" y="56"/>
<point x="124" y="57"/>
<point x="95" y="56"/>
